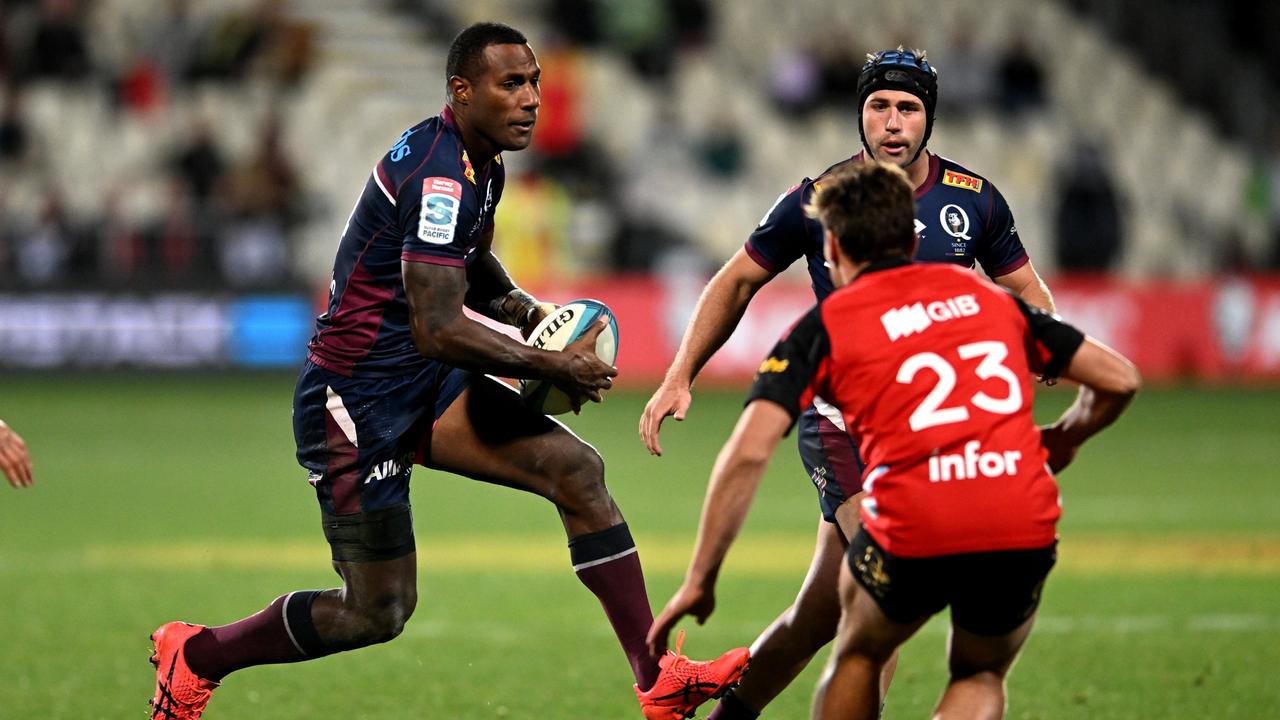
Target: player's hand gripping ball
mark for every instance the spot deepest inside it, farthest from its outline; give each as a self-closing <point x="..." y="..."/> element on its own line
<point x="556" y="331"/>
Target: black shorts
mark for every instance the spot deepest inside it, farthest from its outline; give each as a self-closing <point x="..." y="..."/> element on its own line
<point x="990" y="593"/>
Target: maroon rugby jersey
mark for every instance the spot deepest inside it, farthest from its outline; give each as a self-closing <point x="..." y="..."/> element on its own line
<point x="932" y="368"/>
<point x="423" y="202"/>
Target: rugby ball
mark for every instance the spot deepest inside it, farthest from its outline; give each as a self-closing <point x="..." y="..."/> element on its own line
<point x="556" y="331"/>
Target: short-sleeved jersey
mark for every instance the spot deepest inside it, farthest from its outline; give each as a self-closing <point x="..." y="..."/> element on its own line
<point x="423" y="202"/>
<point x="960" y="218"/>
<point x="931" y="367"/>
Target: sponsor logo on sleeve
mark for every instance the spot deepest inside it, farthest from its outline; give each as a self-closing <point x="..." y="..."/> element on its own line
<point x="441" y="202"/>
<point x="960" y="180"/>
<point x="401" y="148"/>
<point x="773" y="365"/>
<point x="468" y="172"/>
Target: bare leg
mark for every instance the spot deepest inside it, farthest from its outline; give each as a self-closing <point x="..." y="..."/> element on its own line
<point x="979" y="665"/>
<point x="487" y="434"/>
<point x="851" y="685"/>
<point x="786" y="647"/>
<point x="375" y="600"/>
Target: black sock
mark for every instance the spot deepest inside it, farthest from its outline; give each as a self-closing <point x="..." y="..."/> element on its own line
<point x="732" y="708"/>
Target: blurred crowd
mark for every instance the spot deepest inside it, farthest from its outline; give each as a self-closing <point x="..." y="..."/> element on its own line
<point x="571" y="207"/>
<point x="226" y="214"/>
<point x="825" y="74"/>
<point x="222" y="220"/>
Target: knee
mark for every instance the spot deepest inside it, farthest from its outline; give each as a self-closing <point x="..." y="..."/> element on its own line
<point x="579" y="479"/>
<point x="873" y="655"/>
<point x="812" y="625"/>
<point x="383" y="618"/>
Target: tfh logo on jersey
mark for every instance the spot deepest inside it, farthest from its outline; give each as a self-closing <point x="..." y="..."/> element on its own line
<point x="441" y="201"/>
<point x="910" y="319"/>
<point x="960" y="180"/>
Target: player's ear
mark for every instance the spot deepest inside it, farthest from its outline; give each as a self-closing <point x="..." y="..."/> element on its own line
<point x="830" y="246"/>
<point x="459" y="89"/>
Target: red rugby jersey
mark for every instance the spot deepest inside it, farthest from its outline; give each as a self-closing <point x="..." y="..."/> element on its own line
<point x="932" y="368"/>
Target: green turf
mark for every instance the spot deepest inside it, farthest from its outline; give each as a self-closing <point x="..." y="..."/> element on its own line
<point x="1166" y="604"/>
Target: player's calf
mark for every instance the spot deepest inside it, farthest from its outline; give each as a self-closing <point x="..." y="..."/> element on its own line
<point x="360" y="622"/>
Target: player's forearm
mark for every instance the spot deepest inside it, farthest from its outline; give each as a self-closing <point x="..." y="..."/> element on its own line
<point x="733" y="484"/>
<point x="717" y="314"/>
<point x="1037" y="293"/>
<point x="1108" y="383"/>
<point x="467" y="344"/>
<point x="1090" y="413"/>
<point x="487" y="285"/>
<point x="729" y="495"/>
<point x="1027" y="284"/>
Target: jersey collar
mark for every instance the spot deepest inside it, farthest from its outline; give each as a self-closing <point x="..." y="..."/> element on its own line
<point x="935" y="167"/>
<point x="886" y="264"/>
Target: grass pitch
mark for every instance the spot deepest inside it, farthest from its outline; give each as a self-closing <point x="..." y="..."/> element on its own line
<point x="165" y="497"/>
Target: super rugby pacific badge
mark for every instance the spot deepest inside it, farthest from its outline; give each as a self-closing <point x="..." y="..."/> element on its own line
<point x="438" y="218"/>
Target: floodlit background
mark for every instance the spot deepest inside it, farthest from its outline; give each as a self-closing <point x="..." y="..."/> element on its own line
<point x="174" y="176"/>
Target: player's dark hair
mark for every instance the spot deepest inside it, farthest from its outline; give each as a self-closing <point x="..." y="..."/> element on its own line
<point x="467" y="50"/>
<point x="869" y="207"/>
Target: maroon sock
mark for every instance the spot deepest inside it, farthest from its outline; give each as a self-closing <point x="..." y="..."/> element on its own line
<point x="281" y="633"/>
<point x="607" y="563"/>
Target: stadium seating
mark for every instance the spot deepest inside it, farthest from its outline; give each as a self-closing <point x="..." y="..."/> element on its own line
<point x="376" y="74"/>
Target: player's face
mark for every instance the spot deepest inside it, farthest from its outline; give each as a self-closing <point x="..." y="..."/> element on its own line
<point x="893" y="122"/>
<point x="506" y="96"/>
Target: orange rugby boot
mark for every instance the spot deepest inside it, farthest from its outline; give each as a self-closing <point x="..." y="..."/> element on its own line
<point x="684" y="684"/>
<point x="180" y="693"/>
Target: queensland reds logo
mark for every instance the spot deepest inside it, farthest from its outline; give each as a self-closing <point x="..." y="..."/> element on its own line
<point x="954" y="222"/>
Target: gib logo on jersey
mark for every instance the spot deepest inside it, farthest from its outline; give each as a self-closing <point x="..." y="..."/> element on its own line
<point x="441" y="201"/>
<point x="909" y="319"/>
<point x="973" y="463"/>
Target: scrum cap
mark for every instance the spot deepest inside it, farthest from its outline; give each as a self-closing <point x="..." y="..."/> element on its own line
<point x="905" y="70"/>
